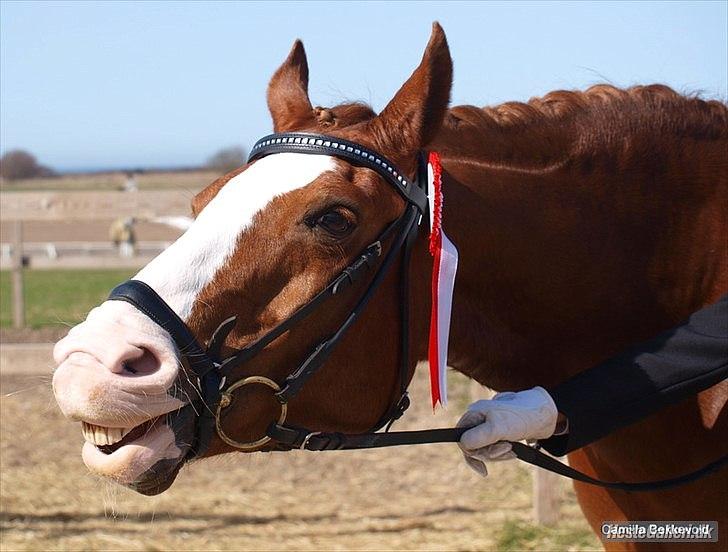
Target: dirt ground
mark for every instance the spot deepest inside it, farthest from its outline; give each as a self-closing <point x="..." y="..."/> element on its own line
<point x="417" y="498"/>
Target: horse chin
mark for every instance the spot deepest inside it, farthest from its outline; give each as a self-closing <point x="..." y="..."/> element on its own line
<point x="158" y="478"/>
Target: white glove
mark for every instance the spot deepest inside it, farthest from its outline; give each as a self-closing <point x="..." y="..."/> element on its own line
<point x="529" y="414"/>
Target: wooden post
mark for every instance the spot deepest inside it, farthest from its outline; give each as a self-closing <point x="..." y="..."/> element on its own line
<point x="17" y="283"/>
<point x="546" y="497"/>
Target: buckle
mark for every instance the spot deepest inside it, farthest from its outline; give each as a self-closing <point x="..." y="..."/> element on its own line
<point x="399" y="409"/>
<point x="376" y="247"/>
<point x="307" y="438"/>
<point x="351" y="273"/>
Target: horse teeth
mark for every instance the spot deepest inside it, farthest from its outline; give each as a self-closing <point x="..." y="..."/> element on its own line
<point x="98" y="435"/>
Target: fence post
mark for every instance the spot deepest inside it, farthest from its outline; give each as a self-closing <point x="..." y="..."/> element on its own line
<point x="17" y="279"/>
<point x="546" y="497"/>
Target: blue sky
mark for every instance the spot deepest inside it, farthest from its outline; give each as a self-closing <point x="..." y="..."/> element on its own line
<point x="97" y="85"/>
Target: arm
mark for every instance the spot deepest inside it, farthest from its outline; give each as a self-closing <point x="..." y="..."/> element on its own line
<point x="629" y="387"/>
<point x="622" y="390"/>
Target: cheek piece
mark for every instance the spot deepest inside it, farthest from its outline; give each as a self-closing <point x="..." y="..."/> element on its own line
<point x="210" y="373"/>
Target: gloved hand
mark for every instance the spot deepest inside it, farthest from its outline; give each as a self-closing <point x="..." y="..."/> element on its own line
<point x="508" y="416"/>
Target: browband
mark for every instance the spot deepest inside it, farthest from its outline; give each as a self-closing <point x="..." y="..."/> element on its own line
<point x="320" y="144"/>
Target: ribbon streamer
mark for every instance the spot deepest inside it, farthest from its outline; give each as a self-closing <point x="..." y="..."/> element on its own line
<point x="444" y="268"/>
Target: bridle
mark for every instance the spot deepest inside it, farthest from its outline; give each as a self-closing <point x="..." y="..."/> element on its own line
<point x="215" y="393"/>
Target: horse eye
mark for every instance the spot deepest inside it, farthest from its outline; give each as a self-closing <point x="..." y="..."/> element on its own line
<point x="335" y="223"/>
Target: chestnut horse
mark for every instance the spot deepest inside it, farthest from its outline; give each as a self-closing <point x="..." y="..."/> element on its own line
<point x="585" y="221"/>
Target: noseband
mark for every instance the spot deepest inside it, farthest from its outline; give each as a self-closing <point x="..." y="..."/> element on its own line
<point x="215" y="393"/>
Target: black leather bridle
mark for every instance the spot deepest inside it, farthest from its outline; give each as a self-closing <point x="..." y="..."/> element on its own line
<point x="215" y="393"/>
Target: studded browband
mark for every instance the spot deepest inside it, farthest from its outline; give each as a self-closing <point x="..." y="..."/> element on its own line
<point x="299" y="142"/>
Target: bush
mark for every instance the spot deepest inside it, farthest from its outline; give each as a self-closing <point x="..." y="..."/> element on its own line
<point x="17" y="164"/>
<point x="227" y="159"/>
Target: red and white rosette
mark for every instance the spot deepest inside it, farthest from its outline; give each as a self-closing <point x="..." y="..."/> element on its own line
<point x="444" y="267"/>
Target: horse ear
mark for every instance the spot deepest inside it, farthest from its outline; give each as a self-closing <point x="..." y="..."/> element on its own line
<point x="415" y="114"/>
<point x="288" y="92"/>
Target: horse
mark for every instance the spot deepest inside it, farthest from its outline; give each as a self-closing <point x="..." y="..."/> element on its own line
<point x="586" y="221"/>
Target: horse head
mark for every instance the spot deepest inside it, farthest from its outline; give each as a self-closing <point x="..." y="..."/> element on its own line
<point x="266" y="239"/>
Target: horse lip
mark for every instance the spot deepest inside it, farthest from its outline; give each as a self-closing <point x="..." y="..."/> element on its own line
<point x="163" y="473"/>
<point x="159" y="476"/>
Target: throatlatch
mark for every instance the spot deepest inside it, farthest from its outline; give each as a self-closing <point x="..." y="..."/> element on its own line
<point x="215" y="392"/>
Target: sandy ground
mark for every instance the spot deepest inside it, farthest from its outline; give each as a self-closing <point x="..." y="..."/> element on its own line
<point x="408" y="498"/>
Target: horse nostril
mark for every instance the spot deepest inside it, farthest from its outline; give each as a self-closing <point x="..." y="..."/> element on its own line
<point x="146" y="364"/>
<point x="128" y="367"/>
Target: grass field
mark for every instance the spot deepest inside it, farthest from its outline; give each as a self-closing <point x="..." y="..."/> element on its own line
<point x="59" y="297"/>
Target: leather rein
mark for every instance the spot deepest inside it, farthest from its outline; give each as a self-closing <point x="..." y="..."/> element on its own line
<point x="215" y="393"/>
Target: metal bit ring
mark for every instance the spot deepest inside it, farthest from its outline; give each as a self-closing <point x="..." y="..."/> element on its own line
<point x="226" y="399"/>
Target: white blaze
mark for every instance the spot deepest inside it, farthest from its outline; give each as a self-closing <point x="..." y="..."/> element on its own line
<point x="180" y="272"/>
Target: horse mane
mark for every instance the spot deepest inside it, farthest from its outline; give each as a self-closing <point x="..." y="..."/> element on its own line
<point x="600" y="125"/>
<point x="601" y="122"/>
<point x="704" y="118"/>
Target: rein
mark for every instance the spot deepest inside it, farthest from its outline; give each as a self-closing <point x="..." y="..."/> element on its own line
<point x="215" y="393"/>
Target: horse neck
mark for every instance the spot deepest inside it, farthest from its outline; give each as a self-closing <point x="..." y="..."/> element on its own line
<point x="562" y="267"/>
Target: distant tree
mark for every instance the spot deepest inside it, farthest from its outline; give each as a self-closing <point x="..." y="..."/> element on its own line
<point x="17" y="164"/>
<point x="227" y="159"/>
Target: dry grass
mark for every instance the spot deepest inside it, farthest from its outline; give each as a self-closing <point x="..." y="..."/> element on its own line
<point x="416" y="498"/>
